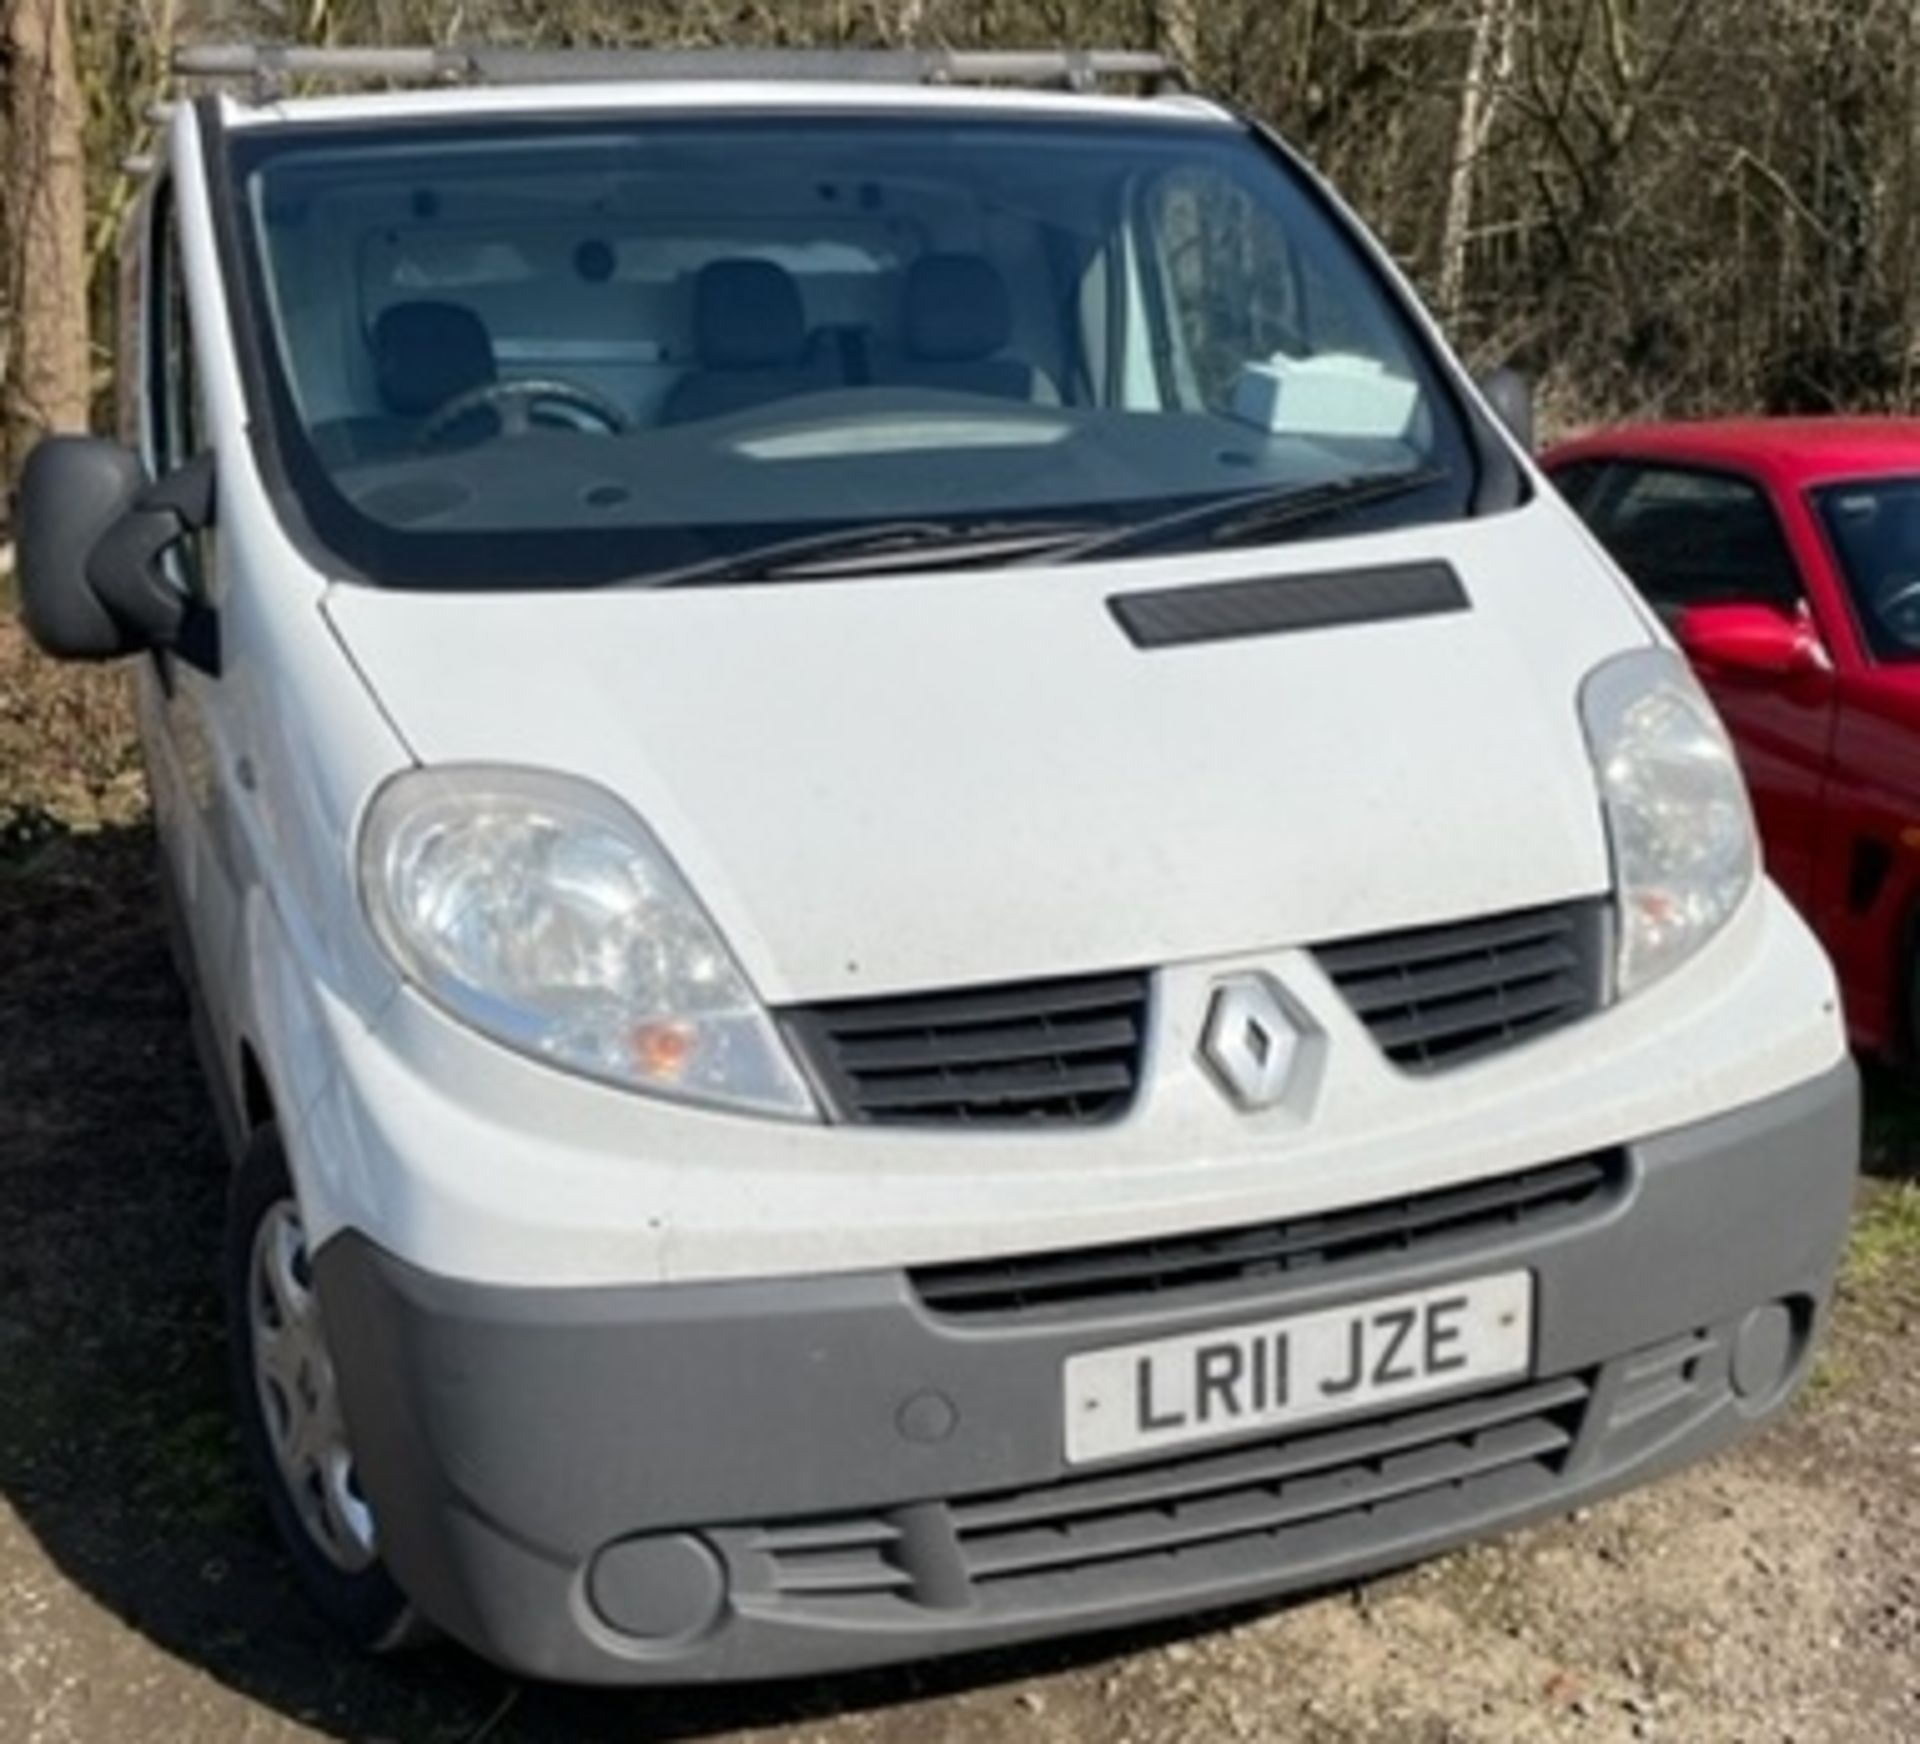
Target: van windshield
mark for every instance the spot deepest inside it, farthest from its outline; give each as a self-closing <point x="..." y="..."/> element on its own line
<point x="591" y="352"/>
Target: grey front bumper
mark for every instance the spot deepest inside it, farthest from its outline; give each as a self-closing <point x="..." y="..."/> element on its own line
<point x="701" y="1482"/>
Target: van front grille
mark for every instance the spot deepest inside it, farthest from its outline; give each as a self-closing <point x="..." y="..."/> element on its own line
<point x="1039" y="1053"/>
<point x="1438" y="997"/>
<point x="1069" y="1052"/>
<point x="1279" y="1499"/>
<point x="1163" y="1269"/>
<point x="1134" y="1532"/>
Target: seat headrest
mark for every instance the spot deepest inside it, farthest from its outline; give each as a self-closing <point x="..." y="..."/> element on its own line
<point x="956" y="308"/>
<point x="747" y="314"/>
<point x="425" y="353"/>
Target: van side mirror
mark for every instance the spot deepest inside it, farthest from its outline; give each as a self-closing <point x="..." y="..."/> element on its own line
<point x="1510" y="394"/>
<point x="92" y="531"/>
<point x="1758" y="640"/>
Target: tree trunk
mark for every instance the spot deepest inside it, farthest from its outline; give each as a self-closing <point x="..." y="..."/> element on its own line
<point x="909" y="19"/>
<point x="1179" y="30"/>
<point x="1489" y="64"/>
<point x="47" y="378"/>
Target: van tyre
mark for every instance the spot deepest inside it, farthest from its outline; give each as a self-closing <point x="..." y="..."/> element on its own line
<point x="289" y="1412"/>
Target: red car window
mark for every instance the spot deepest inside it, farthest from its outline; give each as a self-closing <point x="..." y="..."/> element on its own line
<point x="1874" y="525"/>
<point x="1689" y="537"/>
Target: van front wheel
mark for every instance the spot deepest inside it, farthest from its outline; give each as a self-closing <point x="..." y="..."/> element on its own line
<point x="288" y="1404"/>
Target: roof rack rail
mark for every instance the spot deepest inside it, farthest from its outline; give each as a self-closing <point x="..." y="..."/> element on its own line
<point x="268" y="66"/>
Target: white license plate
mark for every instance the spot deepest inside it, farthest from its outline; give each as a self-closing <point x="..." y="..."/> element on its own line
<point x="1211" y="1386"/>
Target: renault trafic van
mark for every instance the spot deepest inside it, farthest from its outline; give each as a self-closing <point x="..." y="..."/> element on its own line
<point x="929" y="900"/>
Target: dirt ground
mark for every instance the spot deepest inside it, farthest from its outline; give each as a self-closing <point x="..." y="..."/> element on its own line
<point x="1773" y="1595"/>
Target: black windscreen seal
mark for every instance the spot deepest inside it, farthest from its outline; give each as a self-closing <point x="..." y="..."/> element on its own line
<point x="1231" y="611"/>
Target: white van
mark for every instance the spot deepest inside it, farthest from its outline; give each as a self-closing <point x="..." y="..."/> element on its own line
<point x="931" y="901"/>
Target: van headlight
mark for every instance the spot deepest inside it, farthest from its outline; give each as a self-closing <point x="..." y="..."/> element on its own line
<point x="542" y="912"/>
<point x="1678" y="820"/>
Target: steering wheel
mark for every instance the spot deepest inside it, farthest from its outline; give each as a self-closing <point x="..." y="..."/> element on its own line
<point x="514" y="403"/>
<point x="1898" y="609"/>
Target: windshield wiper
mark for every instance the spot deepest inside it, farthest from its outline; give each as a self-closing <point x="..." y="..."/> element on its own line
<point x="874" y="550"/>
<point x="884" y="547"/>
<point x="1256" y="514"/>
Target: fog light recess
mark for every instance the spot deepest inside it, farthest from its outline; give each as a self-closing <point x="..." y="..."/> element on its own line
<point x="658" y="1591"/>
<point x="1766" y="1351"/>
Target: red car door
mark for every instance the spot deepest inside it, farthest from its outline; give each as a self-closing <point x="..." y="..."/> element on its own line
<point x="1861" y="539"/>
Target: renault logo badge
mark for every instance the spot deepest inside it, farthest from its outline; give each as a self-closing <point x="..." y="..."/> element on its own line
<point x="1250" y="1042"/>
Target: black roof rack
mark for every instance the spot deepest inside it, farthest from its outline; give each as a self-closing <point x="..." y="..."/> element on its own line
<point x="268" y="67"/>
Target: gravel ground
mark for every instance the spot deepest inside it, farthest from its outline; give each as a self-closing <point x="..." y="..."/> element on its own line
<point x="1772" y="1595"/>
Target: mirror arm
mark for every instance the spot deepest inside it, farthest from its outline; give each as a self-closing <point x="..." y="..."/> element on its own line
<point x="125" y="571"/>
<point x="187" y="491"/>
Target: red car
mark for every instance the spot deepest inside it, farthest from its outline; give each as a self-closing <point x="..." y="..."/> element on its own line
<point x="1785" y="555"/>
